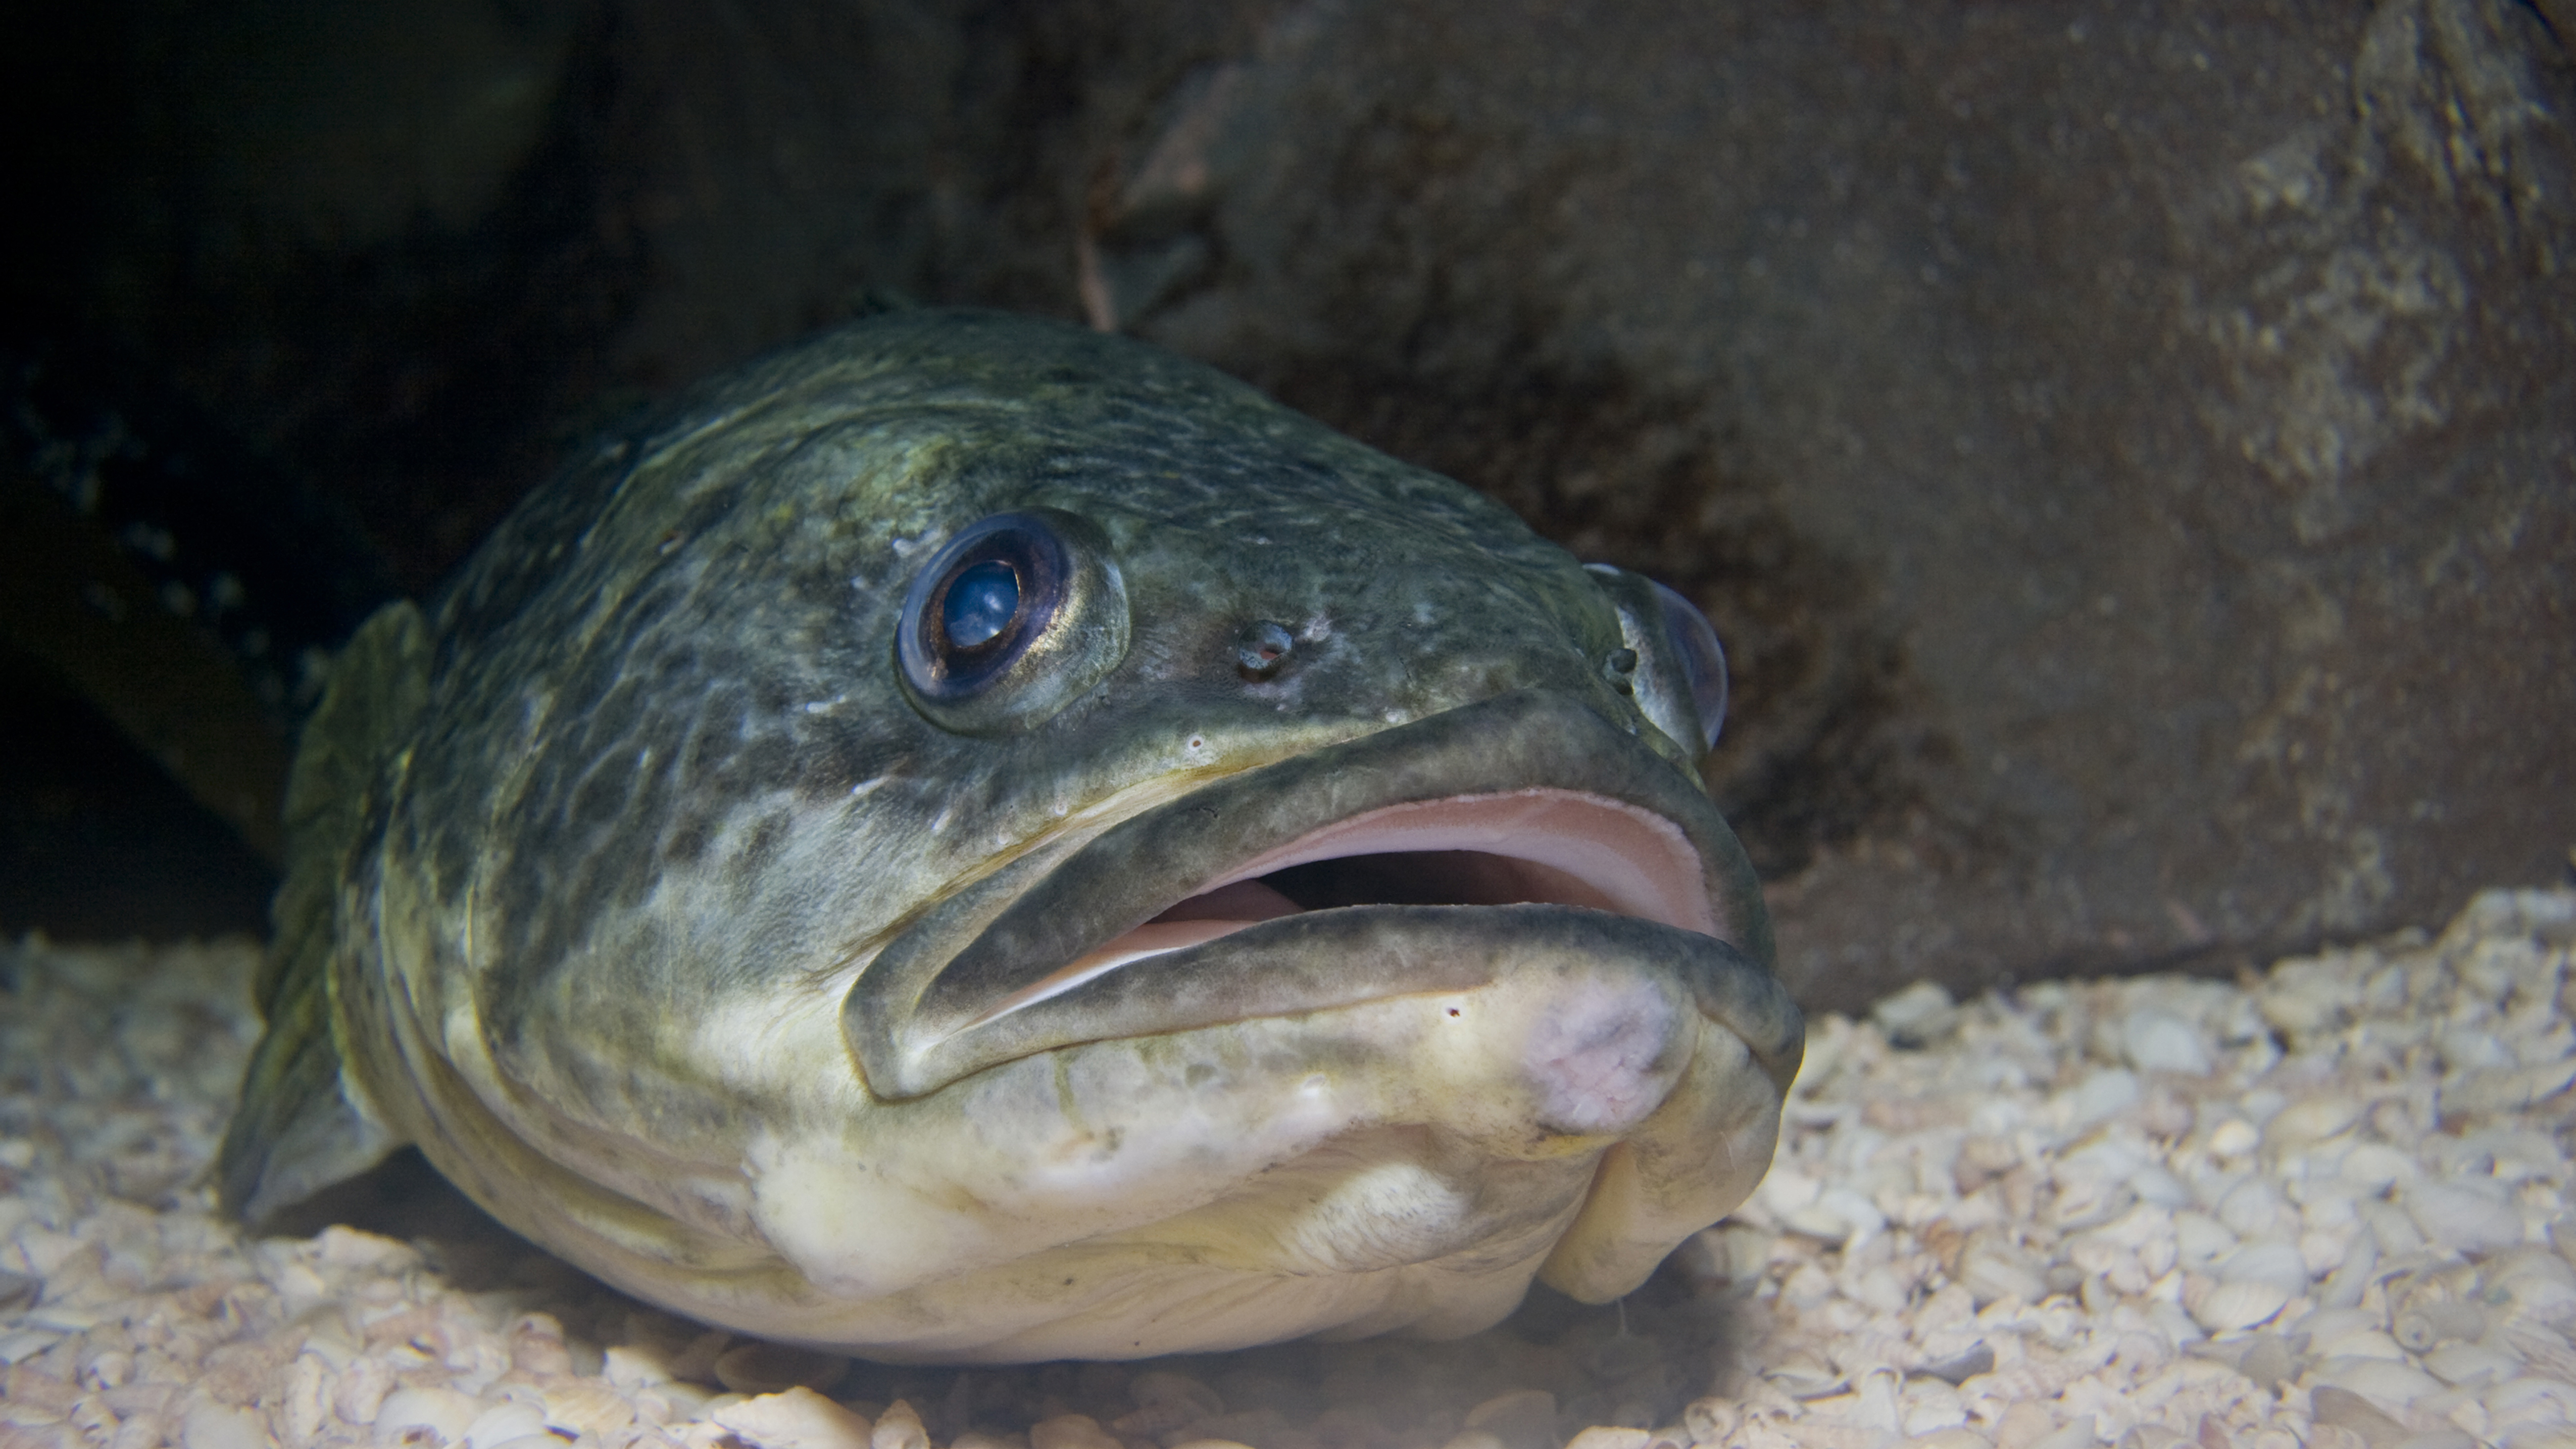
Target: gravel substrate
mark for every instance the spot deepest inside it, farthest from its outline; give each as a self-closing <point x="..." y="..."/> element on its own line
<point x="2325" y="1207"/>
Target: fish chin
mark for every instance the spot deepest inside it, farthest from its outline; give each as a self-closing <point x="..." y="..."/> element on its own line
<point x="1407" y="1162"/>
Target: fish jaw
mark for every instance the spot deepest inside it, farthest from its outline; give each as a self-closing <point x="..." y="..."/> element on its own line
<point x="1405" y="1162"/>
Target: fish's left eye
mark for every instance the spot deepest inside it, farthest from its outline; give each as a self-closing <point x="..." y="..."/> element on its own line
<point x="1011" y="619"/>
<point x="1681" y="685"/>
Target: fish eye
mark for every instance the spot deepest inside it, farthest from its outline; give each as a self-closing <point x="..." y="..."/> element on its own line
<point x="1680" y="683"/>
<point x="1703" y="659"/>
<point x="1009" y="620"/>
<point x="981" y="602"/>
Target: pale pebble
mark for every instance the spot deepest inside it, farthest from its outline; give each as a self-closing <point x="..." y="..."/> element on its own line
<point x="2271" y="1261"/>
<point x="629" y="1367"/>
<point x="2357" y="1343"/>
<point x="210" y="1425"/>
<point x="1922" y="1014"/>
<point x="795" y="1418"/>
<point x="2253" y="1208"/>
<point x="2375" y="1166"/>
<point x="2155" y="1040"/>
<point x="1992" y="1270"/>
<point x="2156" y="1185"/>
<point x="2234" y="1303"/>
<point x="2234" y="1138"/>
<point x="2471" y="1365"/>
<point x="899" y="1427"/>
<point x="2198" y="1237"/>
<point x="2103" y="1095"/>
<point x="1928" y="1406"/>
<point x="2531" y="1399"/>
<point x="2384" y="1381"/>
<point x="2310" y="1120"/>
<point x="504" y="1422"/>
<point x="2463" y="1218"/>
<point x="444" y="1410"/>
<point x="1786" y="1190"/>
<point x="2506" y="1088"/>
<point x="588" y="1406"/>
<point x="1071" y="1431"/>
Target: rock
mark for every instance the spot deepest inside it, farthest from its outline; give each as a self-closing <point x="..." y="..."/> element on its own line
<point x="1865" y="322"/>
<point x="2127" y="451"/>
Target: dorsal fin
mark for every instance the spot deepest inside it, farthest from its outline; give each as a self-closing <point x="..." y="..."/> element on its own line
<point x="299" y="1127"/>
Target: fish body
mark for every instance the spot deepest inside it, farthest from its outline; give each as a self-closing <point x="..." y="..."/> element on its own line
<point x="972" y="840"/>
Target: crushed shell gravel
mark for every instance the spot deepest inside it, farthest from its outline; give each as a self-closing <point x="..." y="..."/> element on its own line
<point x="2325" y="1207"/>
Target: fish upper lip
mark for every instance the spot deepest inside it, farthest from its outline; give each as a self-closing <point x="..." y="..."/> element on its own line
<point x="1055" y="949"/>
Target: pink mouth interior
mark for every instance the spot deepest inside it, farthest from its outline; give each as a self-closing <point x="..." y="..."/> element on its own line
<point x="1547" y="846"/>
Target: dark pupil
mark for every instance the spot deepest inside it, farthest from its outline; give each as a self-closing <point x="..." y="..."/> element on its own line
<point x="980" y="604"/>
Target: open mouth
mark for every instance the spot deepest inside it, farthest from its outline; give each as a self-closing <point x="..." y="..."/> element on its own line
<point x="1431" y="856"/>
<point x="1536" y="846"/>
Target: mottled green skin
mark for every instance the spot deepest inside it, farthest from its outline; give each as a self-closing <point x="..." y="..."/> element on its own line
<point x="585" y="858"/>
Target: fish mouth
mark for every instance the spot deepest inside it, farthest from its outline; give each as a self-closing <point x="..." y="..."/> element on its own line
<point x="1438" y="855"/>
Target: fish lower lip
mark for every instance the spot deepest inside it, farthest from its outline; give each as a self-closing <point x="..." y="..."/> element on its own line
<point x="1320" y="960"/>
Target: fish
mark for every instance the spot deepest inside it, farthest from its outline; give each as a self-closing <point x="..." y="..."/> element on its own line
<point x="973" y="840"/>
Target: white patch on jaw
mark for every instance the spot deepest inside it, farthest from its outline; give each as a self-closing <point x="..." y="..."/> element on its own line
<point x="1593" y="1059"/>
<point x="1023" y="1160"/>
<point x="1389" y="1215"/>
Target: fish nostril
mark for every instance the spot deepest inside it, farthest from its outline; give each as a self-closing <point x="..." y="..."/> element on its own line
<point x="1262" y="648"/>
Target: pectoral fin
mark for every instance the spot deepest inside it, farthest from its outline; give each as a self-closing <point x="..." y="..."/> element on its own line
<point x="302" y="1125"/>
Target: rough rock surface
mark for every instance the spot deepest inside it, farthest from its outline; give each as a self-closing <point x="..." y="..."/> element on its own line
<point x="2129" y="451"/>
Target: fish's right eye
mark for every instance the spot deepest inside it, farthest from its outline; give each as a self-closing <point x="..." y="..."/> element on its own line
<point x="1010" y="620"/>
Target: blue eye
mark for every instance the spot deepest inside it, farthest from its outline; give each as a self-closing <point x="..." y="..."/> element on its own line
<point x="1013" y="617"/>
<point x="981" y="603"/>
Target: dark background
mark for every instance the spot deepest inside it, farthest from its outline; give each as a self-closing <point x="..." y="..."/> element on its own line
<point x="2130" y="452"/>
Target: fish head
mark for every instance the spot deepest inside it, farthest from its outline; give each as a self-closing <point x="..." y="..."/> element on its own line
<point x="976" y="840"/>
